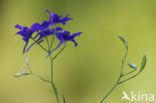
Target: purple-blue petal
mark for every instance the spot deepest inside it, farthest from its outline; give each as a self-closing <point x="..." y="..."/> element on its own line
<point x="63" y="36"/>
<point x="66" y="35"/>
<point x="26" y="30"/>
<point x="26" y="39"/>
<point x="47" y="32"/>
<point x="65" y="19"/>
<point x="44" y="25"/>
<point x="19" y="26"/>
<point x="51" y="22"/>
<point x="59" y="35"/>
<point x="74" y="42"/>
<point x="56" y="18"/>
<point x="21" y="33"/>
<point x="52" y="31"/>
<point x="58" y="28"/>
<point x="25" y="47"/>
<point x="75" y="34"/>
<point x="35" y="27"/>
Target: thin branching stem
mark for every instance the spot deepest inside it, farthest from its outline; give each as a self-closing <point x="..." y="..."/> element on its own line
<point x="52" y="39"/>
<point x="129" y="78"/>
<point x="52" y="77"/>
<point x="117" y="82"/>
<point x="41" y="46"/>
<point x="59" y="52"/>
<point x="123" y="62"/>
<point x="110" y="91"/>
<point x="129" y="72"/>
<point x="42" y="78"/>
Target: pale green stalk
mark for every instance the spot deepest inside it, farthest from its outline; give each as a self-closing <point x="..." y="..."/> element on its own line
<point x="122" y="67"/>
<point x="41" y="46"/>
<point x="52" y="79"/>
<point x="117" y="82"/>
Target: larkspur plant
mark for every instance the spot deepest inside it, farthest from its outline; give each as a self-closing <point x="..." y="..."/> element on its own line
<point x="42" y="32"/>
<point x="122" y="77"/>
<point x="49" y="28"/>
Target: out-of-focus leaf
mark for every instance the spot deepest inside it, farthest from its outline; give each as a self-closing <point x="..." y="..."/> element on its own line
<point x="123" y="39"/>
<point x="21" y="74"/>
<point x="42" y="78"/>
<point x="143" y="63"/>
<point x="45" y="80"/>
<point x="134" y="66"/>
<point x="64" y="100"/>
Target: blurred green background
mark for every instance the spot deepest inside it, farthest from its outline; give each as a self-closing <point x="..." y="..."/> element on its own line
<point x="83" y="74"/>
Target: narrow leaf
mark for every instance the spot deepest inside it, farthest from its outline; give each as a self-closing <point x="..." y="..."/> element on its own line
<point x="143" y="63"/>
<point x="64" y="100"/>
<point x="123" y="39"/>
<point x="134" y="66"/>
<point x="54" y="88"/>
<point x="21" y="74"/>
<point x="45" y="80"/>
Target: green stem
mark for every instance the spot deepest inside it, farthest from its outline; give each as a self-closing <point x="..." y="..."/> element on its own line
<point x="42" y="78"/>
<point x="52" y="79"/>
<point x="121" y="75"/>
<point x="115" y="85"/>
<point x="59" y="52"/>
<point x="51" y="60"/>
<point x="52" y="40"/>
<point x="129" y="78"/>
<point x="123" y="62"/>
<point x="129" y="72"/>
<point x="47" y="43"/>
<point x="41" y="46"/>
<point x="55" y="91"/>
<point x="53" y="37"/>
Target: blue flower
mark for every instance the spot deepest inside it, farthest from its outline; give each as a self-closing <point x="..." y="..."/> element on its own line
<point x="65" y="36"/>
<point x="54" y="19"/>
<point x="43" y="34"/>
<point x="27" y="32"/>
<point x="44" y="30"/>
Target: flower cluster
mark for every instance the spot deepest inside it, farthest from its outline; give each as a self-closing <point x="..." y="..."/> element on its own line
<point x="42" y="30"/>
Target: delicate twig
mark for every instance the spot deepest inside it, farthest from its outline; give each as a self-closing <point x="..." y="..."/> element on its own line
<point x="116" y="84"/>
<point x="129" y="78"/>
<point x="110" y="91"/>
<point x="52" y="82"/>
<point x="64" y="100"/>
<point x="55" y="91"/>
<point x="42" y="78"/>
<point x="122" y="67"/>
<point x="129" y="72"/>
<point x="59" y="52"/>
<point x="41" y="46"/>
<point x="52" y="40"/>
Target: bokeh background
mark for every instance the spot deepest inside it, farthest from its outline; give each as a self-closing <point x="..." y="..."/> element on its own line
<point x="83" y="74"/>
